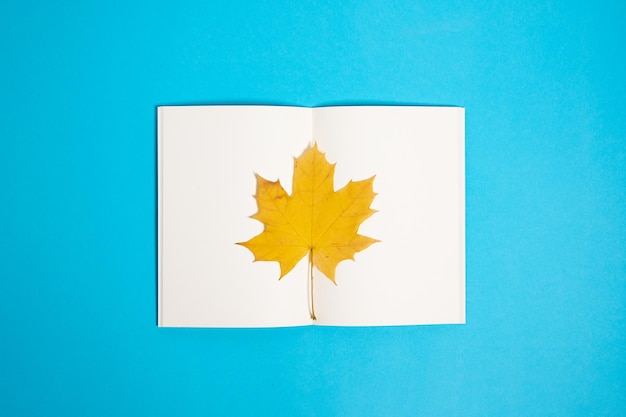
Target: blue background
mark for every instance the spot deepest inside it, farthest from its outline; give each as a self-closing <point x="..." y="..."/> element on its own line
<point x="544" y="91"/>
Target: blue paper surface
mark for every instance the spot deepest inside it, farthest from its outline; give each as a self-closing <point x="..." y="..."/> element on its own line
<point x="544" y="92"/>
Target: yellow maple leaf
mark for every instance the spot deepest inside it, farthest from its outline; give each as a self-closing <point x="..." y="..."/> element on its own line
<point x="315" y="219"/>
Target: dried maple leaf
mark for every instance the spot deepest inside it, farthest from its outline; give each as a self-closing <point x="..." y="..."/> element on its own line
<point x="314" y="220"/>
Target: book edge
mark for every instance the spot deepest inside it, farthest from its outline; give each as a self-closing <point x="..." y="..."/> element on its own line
<point x="160" y="216"/>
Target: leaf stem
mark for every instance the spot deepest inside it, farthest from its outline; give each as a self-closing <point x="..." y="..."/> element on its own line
<point x="311" y="280"/>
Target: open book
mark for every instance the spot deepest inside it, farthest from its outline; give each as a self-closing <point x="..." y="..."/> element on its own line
<point x="208" y="158"/>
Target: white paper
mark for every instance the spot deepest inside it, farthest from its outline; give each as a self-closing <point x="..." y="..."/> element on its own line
<point x="416" y="274"/>
<point x="207" y="157"/>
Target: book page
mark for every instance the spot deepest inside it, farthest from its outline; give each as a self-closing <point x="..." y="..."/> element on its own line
<point x="207" y="159"/>
<point x="416" y="273"/>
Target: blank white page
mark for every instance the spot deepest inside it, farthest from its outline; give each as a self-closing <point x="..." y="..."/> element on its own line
<point x="207" y="159"/>
<point x="416" y="274"/>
